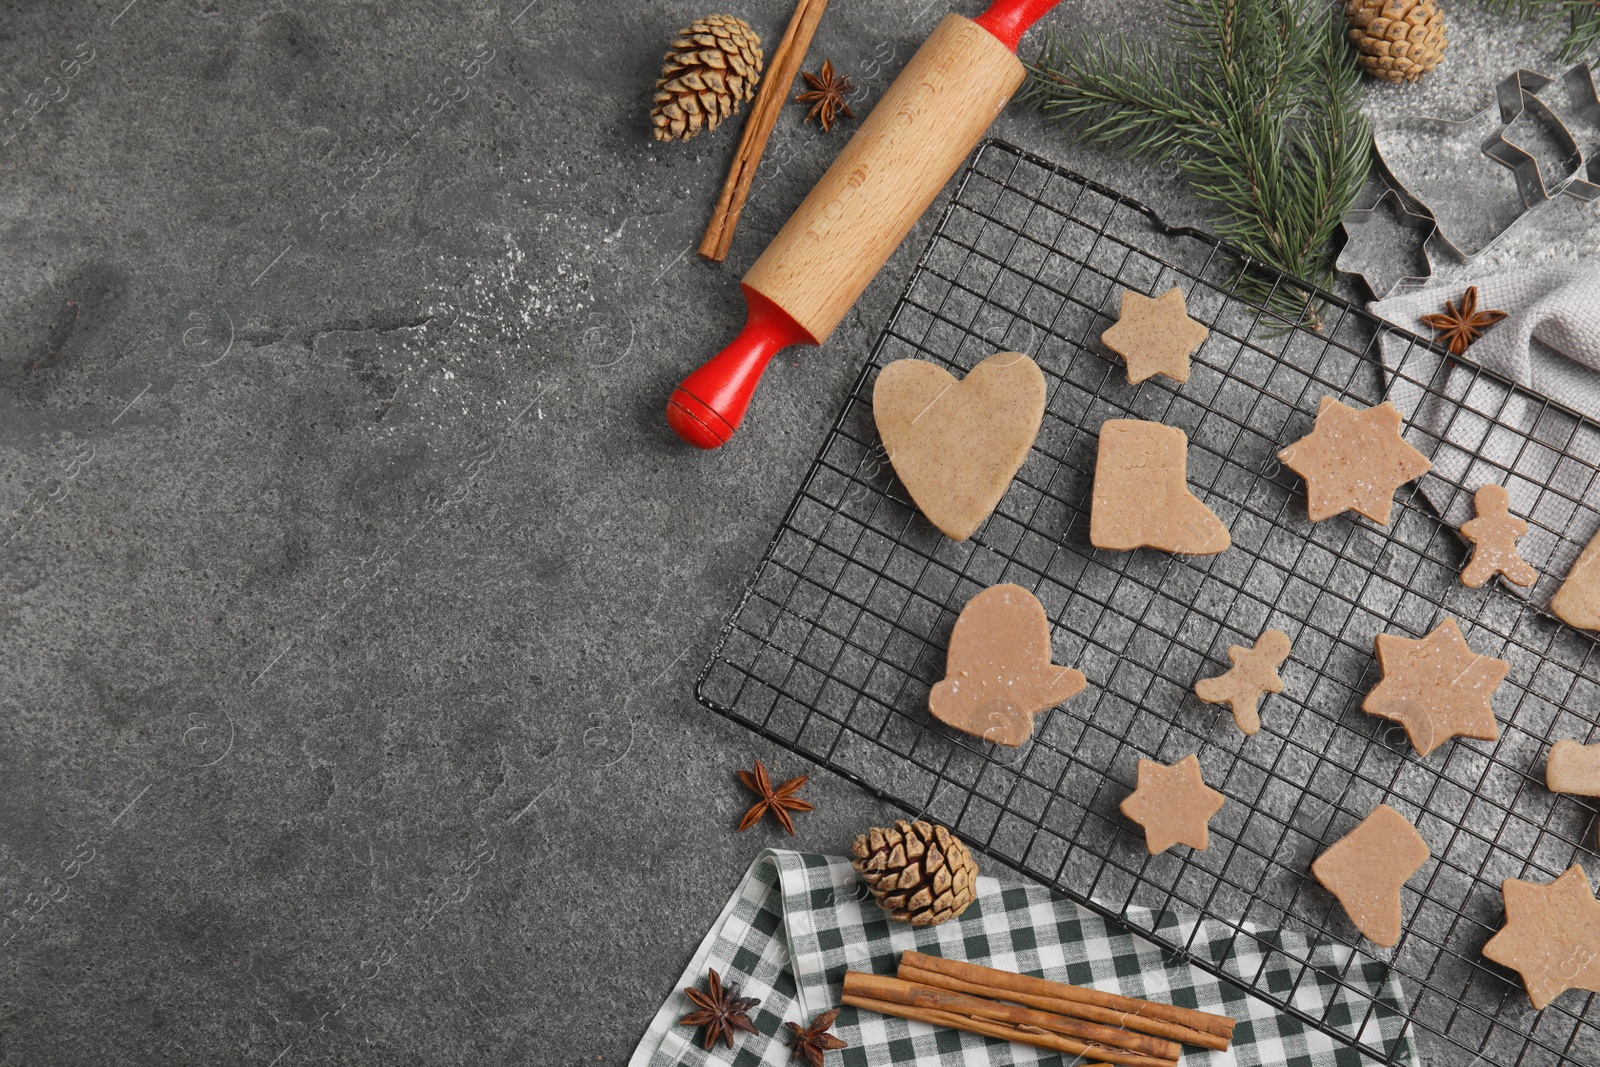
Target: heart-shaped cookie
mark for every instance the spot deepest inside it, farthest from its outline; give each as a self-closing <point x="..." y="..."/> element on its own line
<point x="956" y="445"/>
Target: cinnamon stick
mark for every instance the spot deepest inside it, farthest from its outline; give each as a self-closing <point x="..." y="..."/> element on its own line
<point x="1075" y="1009"/>
<point x="1005" y="982"/>
<point x="1036" y="1038"/>
<point x="770" y="98"/>
<point x="898" y="991"/>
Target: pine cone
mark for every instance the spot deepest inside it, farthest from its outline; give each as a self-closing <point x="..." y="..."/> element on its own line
<point x="712" y="69"/>
<point x="919" y="873"/>
<point x="1399" y="40"/>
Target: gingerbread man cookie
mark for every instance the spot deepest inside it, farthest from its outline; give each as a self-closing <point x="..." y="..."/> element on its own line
<point x="1494" y="536"/>
<point x="1254" y="672"/>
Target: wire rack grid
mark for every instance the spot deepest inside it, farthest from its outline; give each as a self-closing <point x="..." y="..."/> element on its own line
<point x="844" y="625"/>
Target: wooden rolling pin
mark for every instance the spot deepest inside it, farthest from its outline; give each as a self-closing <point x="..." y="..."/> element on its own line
<point x="849" y="225"/>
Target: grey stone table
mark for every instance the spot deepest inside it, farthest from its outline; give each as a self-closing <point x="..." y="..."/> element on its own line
<point x="351" y="585"/>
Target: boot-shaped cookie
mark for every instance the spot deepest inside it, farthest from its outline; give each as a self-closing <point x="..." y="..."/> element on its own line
<point x="998" y="674"/>
<point x="1141" y="496"/>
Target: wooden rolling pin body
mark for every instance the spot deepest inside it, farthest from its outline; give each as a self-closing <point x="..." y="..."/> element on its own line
<point x="822" y="259"/>
<point x="918" y="134"/>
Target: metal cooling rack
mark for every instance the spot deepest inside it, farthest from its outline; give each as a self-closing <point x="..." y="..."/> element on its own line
<point x="844" y="625"/>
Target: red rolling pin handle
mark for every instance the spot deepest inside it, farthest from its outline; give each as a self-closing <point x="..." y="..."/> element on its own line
<point x="1008" y="20"/>
<point x="709" y="405"/>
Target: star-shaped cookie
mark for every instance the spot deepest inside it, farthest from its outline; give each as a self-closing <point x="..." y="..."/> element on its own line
<point x="1551" y="936"/>
<point x="1494" y="536"/>
<point x="1354" y="461"/>
<point x="1437" y="688"/>
<point x="1155" y="336"/>
<point x="1366" y="868"/>
<point x="1254" y="672"/>
<point x="1173" y="805"/>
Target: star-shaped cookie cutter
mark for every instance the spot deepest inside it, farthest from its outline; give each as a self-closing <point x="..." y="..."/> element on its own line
<point x="1366" y="227"/>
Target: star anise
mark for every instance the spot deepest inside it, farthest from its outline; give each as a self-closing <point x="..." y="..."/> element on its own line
<point x="779" y="801"/>
<point x="1458" y="327"/>
<point x="722" y="1011"/>
<point x="826" y="96"/>
<point x="809" y="1044"/>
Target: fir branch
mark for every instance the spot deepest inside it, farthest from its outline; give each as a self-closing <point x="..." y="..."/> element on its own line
<point x="1582" y="16"/>
<point x="1258" y="104"/>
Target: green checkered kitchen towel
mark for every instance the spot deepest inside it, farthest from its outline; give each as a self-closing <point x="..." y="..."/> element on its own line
<point x="798" y="921"/>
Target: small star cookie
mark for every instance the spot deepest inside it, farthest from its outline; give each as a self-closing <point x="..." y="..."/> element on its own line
<point x="1436" y="687"/>
<point x="1173" y="805"/>
<point x="1254" y="672"/>
<point x="1354" y="461"/>
<point x="1551" y="936"/>
<point x="1366" y="868"/>
<point x="1494" y="536"/>
<point x="1155" y="336"/>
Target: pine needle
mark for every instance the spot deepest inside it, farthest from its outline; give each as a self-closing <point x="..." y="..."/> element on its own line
<point x="1583" y="21"/>
<point x="1258" y="104"/>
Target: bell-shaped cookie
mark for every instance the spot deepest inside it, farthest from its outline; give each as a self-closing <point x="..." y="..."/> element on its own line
<point x="998" y="675"/>
<point x="1141" y="496"/>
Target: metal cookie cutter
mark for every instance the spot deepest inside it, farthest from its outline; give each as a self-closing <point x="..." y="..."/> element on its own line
<point x="1583" y="106"/>
<point x="1369" y="234"/>
<point x="1565" y="110"/>
<point x="1517" y="95"/>
<point x="1456" y="174"/>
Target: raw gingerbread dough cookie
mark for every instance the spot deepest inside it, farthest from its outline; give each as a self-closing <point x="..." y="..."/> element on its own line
<point x="1494" y="536"/>
<point x="1141" y="496"/>
<point x="957" y="445"/>
<point x="998" y="674"/>
<point x="1551" y="936"/>
<point x="1366" y="868"/>
<point x="1573" y="768"/>
<point x="1437" y="688"/>
<point x="1577" y="602"/>
<point x="1155" y="336"/>
<point x="1354" y="461"/>
<point x="1173" y="805"/>
<point x="1254" y="672"/>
